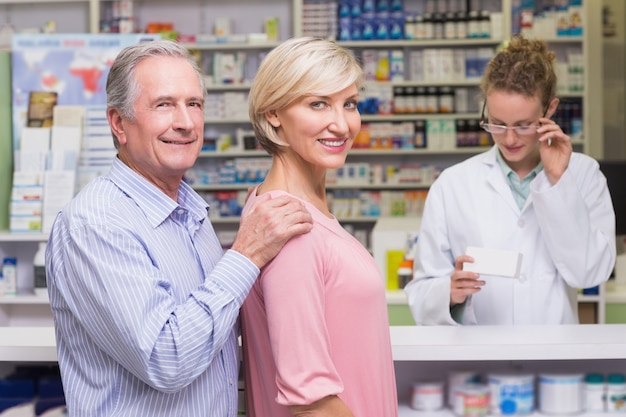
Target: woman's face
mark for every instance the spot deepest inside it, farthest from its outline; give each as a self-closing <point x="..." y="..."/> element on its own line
<point x="320" y="129"/>
<point x="519" y="147"/>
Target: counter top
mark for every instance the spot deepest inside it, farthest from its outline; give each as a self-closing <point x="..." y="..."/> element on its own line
<point x="484" y="343"/>
<point x="416" y="343"/>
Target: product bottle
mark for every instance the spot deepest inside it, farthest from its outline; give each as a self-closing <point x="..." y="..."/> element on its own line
<point x="9" y="276"/>
<point x="399" y="100"/>
<point x="39" y="264"/>
<point x="595" y="393"/>
<point x="405" y="272"/>
<point x="616" y="393"/>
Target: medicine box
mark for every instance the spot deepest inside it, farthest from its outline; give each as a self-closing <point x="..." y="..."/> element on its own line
<point x="494" y="262"/>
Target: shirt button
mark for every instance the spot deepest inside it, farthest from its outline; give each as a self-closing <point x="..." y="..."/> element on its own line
<point x="181" y="211"/>
<point x="520" y="223"/>
<point x="231" y="381"/>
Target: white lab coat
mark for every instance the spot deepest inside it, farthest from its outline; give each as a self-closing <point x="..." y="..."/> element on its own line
<point x="565" y="232"/>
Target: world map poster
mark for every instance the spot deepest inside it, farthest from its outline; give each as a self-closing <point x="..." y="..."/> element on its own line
<point x="75" y="66"/>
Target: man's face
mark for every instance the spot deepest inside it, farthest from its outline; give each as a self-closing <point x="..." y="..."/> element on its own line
<point x="165" y="138"/>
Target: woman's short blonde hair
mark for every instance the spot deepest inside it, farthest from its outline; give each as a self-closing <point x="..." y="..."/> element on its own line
<point x="297" y="68"/>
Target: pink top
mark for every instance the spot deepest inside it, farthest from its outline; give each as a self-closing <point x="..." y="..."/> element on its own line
<point x="315" y="324"/>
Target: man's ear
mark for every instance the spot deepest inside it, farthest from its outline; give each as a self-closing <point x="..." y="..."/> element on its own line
<point x="116" y="122"/>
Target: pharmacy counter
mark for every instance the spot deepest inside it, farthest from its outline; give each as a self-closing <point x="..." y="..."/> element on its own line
<point x="480" y="343"/>
<point x="430" y="353"/>
<point x="420" y="343"/>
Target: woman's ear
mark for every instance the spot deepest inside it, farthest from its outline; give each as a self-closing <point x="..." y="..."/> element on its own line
<point x="272" y="118"/>
<point x="552" y="107"/>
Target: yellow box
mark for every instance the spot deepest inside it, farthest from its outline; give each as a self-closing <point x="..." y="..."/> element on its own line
<point x="394" y="257"/>
<point x="271" y="29"/>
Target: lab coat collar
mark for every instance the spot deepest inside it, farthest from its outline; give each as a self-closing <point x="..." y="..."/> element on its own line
<point x="495" y="177"/>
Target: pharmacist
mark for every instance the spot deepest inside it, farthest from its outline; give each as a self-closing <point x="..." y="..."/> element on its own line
<point x="529" y="194"/>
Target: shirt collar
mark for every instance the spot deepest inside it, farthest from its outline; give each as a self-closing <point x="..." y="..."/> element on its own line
<point x="156" y="205"/>
<point x="506" y="169"/>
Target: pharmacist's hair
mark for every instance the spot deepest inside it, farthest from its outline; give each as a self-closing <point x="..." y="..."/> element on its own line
<point x="123" y="89"/>
<point x="297" y="68"/>
<point x="523" y="66"/>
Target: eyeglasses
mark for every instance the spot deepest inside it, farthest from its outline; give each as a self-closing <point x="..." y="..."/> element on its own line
<point x="501" y="129"/>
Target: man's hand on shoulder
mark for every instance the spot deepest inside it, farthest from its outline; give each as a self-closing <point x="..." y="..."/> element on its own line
<point x="268" y="225"/>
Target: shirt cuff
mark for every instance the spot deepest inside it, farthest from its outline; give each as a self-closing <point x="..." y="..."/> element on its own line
<point x="235" y="273"/>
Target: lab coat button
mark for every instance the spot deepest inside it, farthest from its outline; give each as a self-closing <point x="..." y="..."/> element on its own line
<point x="521" y="223"/>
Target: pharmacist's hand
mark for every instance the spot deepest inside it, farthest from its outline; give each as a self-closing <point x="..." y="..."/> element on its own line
<point x="269" y="224"/>
<point x="555" y="149"/>
<point x="463" y="283"/>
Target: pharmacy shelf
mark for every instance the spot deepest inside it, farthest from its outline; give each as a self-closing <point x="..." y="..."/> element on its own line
<point x="419" y="43"/>
<point x="6" y="236"/>
<point x="9" y="2"/>
<point x="396" y="297"/>
<point x="27" y="344"/>
<point x="233" y="187"/>
<point x="236" y="219"/>
<point x="230" y="46"/>
<point x="469" y="150"/>
<point x="413" y="117"/>
<point x="24" y="299"/>
<point x="451" y="83"/>
<point x="226" y="87"/>
<point x="226" y="121"/>
<point x="406" y="411"/>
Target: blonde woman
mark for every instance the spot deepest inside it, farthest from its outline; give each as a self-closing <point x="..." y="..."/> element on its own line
<point x="315" y="327"/>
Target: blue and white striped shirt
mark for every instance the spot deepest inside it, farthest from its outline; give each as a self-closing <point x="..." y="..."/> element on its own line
<point x="145" y="302"/>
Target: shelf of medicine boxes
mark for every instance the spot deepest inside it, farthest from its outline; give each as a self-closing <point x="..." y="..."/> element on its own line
<point x="393" y="297"/>
<point x="420" y="43"/>
<point x="457" y="153"/>
<point x="28" y="309"/>
<point x="25" y="308"/>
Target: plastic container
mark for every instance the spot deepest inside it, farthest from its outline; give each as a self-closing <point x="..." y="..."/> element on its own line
<point x="561" y="394"/>
<point x="459" y="379"/>
<point x="595" y="393"/>
<point x="511" y="394"/>
<point x="471" y="400"/>
<point x="8" y="284"/>
<point x="616" y="393"/>
<point x="427" y="396"/>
